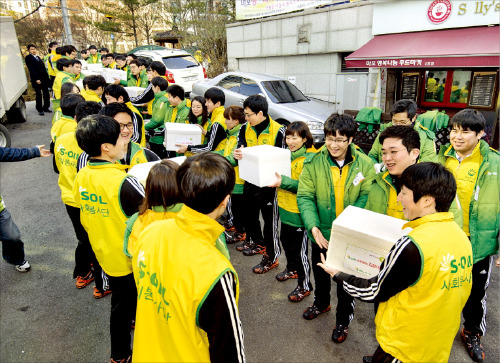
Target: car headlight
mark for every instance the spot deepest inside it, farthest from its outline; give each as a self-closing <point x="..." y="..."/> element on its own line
<point x="314" y="125"/>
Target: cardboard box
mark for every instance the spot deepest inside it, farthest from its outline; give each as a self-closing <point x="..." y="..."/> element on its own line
<point x="97" y="67"/>
<point x="111" y="74"/>
<point x="361" y="240"/>
<point x="182" y="134"/>
<point x="134" y="91"/>
<point x="260" y="163"/>
<point x="141" y="171"/>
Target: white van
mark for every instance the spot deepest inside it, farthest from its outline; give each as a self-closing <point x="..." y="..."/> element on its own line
<point x="182" y="68"/>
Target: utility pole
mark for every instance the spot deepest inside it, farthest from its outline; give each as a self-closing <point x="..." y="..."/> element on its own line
<point x="67" y="27"/>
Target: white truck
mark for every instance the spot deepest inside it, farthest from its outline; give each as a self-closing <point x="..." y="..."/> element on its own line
<point x="13" y="81"/>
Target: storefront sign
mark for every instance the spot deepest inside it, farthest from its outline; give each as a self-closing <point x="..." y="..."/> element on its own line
<point x="483" y="87"/>
<point x="409" y="87"/>
<point x="392" y="16"/>
<point x="470" y="61"/>
<point x="251" y="9"/>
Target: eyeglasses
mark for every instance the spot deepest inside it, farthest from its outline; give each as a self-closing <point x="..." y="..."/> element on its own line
<point x="337" y="141"/>
<point x="391" y="153"/>
<point x="401" y="122"/>
<point x="129" y="126"/>
<point x="249" y="114"/>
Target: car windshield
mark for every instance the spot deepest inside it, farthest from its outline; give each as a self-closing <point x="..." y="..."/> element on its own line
<point x="283" y="92"/>
<point x="179" y="62"/>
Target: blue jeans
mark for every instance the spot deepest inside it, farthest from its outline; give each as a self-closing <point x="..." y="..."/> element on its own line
<point x="12" y="246"/>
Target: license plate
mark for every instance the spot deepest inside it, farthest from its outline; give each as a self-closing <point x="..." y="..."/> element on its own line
<point x="191" y="78"/>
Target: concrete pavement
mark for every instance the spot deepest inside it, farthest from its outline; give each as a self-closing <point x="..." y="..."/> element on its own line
<point x="44" y="318"/>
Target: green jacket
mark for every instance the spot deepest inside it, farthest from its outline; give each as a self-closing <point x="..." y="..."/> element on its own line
<point x="427" y="146"/>
<point x="182" y="114"/>
<point x="378" y="198"/>
<point x="484" y="212"/>
<point x="315" y="196"/>
<point x="132" y="81"/>
<point x="434" y="120"/>
<point x="160" y="106"/>
<point x="91" y="61"/>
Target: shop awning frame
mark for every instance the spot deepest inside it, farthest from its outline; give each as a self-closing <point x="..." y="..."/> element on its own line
<point x="450" y="48"/>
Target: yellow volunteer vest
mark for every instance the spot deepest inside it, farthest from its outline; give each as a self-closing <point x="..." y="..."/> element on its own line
<point x="338" y="181"/>
<point x="90" y="95"/>
<point x="286" y="199"/>
<point x="57" y="115"/>
<point x="48" y="64"/>
<point x="266" y="137"/>
<point x="58" y="82"/>
<point x="64" y="125"/>
<point x="143" y="130"/>
<point x="465" y="174"/>
<point x="96" y="191"/>
<point x="228" y="149"/>
<point x="137" y="154"/>
<point x="218" y="116"/>
<point x="173" y="280"/>
<point x="66" y="153"/>
<point x="394" y="208"/>
<point x="420" y="323"/>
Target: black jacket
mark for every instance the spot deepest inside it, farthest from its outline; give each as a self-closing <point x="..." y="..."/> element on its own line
<point x="37" y="69"/>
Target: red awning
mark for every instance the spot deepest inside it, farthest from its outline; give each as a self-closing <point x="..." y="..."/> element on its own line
<point x="451" y="48"/>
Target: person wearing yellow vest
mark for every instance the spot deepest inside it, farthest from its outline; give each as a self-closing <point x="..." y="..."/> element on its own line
<point x="431" y="87"/>
<point x="121" y="62"/>
<point x="116" y="93"/>
<point x="476" y="168"/>
<point x="198" y="115"/>
<point x="94" y="57"/>
<point x="161" y="201"/>
<point x="260" y="129"/>
<point x="76" y="69"/>
<point x="136" y="78"/>
<point x="49" y="63"/>
<point x="107" y="197"/>
<point x="193" y="281"/>
<point x="215" y="139"/>
<point x="84" y="54"/>
<point x="108" y="61"/>
<point x="66" y="153"/>
<point x="67" y="122"/>
<point x="66" y="88"/>
<point x="293" y="235"/>
<point x="93" y="88"/>
<point x="235" y="117"/>
<point x="159" y="86"/>
<point x="425" y="280"/>
<point x="64" y="75"/>
<point x="339" y="175"/>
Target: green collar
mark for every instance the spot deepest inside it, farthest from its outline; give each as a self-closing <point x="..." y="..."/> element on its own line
<point x="299" y="152"/>
<point x="234" y="131"/>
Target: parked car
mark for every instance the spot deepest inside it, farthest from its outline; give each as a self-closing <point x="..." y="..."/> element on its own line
<point x="286" y="102"/>
<point x="182" y="68"/>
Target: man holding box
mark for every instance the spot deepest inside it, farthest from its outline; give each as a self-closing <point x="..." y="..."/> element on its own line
<point x="425" y="280"/>
<point x="260" y="129"/>
<point x="339" y="175"/>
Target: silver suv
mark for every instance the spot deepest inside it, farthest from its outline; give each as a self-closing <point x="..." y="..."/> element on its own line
<point x="182" y="68"/>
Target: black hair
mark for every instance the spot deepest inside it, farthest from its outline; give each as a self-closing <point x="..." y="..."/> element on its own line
<point x="158" y="67"/>
<point x="256" y="103"/>
<point x="145" y="62"/>
<point x="95" y="130"/>
<point x="92" y="47"/>
<point x="137" y="62"/>
<point x="160" y="82"/>
<point x="176" y="91"/>
<point x="302" y="130"/>
<point x="344" y="124"/>
<point x="69" y="102"/>
<point x="95" y="81"/>
<point x="67" y="88"/>
<point x="58" y="50"/>
<point x="31" y="46"/>
<point x="431" y="74"/>
<point x="104" y="49"/>
<point x="109" y="55"/>
<point x="74" y="61"/>
<point x="51" y="44"/>
<point x="116" y="91"/>
<point x="204" y="114"/>
<point x="236" y="113"/>
<point x="215" y="95"/>
<point x="405" y="105"/>
<point x="204" y="180"/>
<point x="430" y="179"/>
<point x="408" y="135"/>
<point x="84" y="51"/>
<point x="469" y="119"/>
<point x="86" y="108"/>
<point x="131" y="55"/>
<point x="120" y="57"/>
<point x="62" y="63"/>
<point x="67" y="49"/>
<point x="114" y="108"/>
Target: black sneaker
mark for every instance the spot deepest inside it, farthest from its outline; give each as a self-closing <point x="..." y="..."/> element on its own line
<point x="265" y="265"/>
<point x="243" y="246"/>
<point x="367" y="358"/>
<point x="236" y="237"/>
<point x="339" y="333"/>
<point x="312" y="312"/>
<point x="298" y="294"/>
<point x="256" y="249"/>
<point x="286" y="275"/>
<point x="473" y="345"/>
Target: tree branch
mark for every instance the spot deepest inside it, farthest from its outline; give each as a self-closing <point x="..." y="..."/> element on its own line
<point x="34" y="11"/>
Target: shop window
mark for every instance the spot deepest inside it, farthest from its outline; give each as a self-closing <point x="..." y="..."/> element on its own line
<point x="460" y="86"/>
<point x="435" y="83"/>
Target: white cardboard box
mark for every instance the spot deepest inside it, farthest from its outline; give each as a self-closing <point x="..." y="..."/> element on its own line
<point x="361" y="240"/>
<point x="260" y="163"/>
<point x="185" y="134"/>
<point x="141" y="171"/>
<point x="97" y="67"/>
<point x="111" y="74"/>
<point x="134" y="91"/>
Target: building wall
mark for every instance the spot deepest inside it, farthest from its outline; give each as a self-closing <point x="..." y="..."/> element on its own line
<point x="306" y="45"/>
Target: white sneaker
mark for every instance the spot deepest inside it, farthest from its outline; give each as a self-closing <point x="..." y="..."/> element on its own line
<point x="23" y="267"/>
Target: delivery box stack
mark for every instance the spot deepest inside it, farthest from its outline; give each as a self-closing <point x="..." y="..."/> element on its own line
<point x="361" y="240"/>
<point x="181" y="134"/>
<point x="260" y="163"/>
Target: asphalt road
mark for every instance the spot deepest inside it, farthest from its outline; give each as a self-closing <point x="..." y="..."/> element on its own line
<point x="44" y="318"/>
